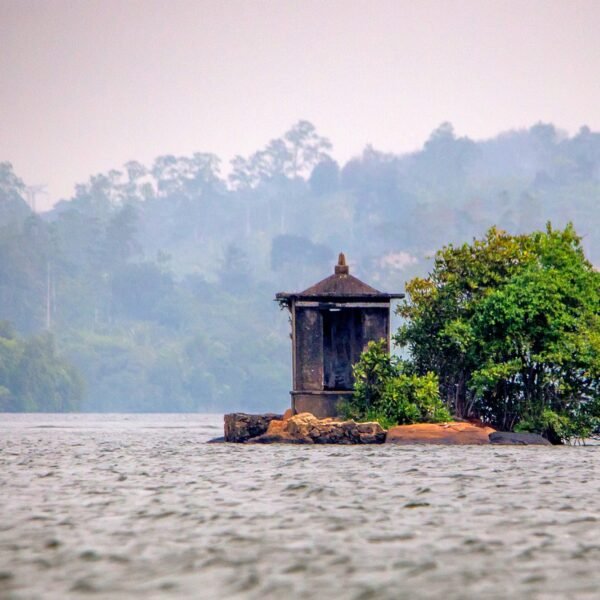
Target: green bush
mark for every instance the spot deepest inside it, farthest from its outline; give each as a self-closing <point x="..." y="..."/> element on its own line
<point x="558" y="428"/>
<point x="550" y="424"/>
<point x="371" y="374"/>
<point x="413" y="399"/>
<point x="384" y="393"/>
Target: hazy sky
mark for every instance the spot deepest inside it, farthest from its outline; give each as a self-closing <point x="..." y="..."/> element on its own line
<point x="88" y="85"/>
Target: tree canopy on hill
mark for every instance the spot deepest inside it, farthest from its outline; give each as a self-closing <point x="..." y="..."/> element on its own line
<point x="156" y="280"/>
<point x="32" y="376"/>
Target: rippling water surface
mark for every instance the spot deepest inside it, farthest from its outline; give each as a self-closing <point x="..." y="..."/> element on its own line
<point x="119" y="506"/>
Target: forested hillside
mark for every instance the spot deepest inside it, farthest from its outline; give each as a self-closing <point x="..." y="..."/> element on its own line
<point x="151" y="288"/>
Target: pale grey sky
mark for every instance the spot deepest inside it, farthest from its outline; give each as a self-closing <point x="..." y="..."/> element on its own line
<point x="87" y="85"/>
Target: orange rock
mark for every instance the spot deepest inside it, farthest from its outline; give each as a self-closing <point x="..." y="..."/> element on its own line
<point x="288" y="414"/>
<point x="278" y="433"/>
<point x="439" y="433"/>
<point x="276" y="427"/>
<point x="305" y="428"/>
<point x="300" y="425"/>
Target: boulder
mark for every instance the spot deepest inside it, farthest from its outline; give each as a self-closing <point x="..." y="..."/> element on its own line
<point x="277" y="427"/>
<point x="240" y="427"/>
<point x="277" y="433"/>
<point x="439" y="433"/>
<point x="305" y="428"/>
<point x="371" y="433"/>
<point x="520" y="439"/>
<point x="303" y="424"/>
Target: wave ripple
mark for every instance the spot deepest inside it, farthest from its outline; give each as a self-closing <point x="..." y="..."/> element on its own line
<point x="137" y="505"/>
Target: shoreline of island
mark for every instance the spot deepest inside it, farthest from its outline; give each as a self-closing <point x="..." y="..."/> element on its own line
<point x="306" y="429"/>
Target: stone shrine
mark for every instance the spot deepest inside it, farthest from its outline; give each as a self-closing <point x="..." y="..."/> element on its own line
<point x="332" y="322"/>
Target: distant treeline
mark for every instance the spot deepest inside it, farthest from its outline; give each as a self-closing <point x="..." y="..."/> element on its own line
<point x="32" y="376"/>
<point x="155" y="281"/>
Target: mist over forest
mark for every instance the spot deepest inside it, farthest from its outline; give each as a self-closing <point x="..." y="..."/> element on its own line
<point x="151" y="289"/>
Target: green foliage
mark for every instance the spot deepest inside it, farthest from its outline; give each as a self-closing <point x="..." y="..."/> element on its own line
<point x="511" y="325"/>
<point x="156" y="280"/>
<point x="371" y="374"/>
<point x="33" y="377"/>
<point x="413" y="399"/>
<point x="579" y="424"/>
<point x="13" y="207"/>
<point x="553" y="426"/>
<point x="138" y="289"/>
<point x="384" y="393"/>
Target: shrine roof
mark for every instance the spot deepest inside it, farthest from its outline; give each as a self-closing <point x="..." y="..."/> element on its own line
<point x="339" y="285"/>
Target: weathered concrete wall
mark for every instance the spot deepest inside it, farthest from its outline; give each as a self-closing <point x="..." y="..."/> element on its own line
<point x="309" y="349"/>
<point x="321" y="405"/>
<point x="376" y="324"/>
<point x="326" y="345"/>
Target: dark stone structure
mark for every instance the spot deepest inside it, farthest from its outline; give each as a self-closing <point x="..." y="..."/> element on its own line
<point x="332" y="322"/>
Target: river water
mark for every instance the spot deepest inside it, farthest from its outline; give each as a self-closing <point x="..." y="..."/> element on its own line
<point x="128" y="506"/>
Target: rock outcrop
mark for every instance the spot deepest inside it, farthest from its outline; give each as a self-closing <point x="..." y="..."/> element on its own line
<point x="240" y="427"/>
<point x="305" y="428"/>
<point x="509" y="438"/>
<point x="454" y="433"/>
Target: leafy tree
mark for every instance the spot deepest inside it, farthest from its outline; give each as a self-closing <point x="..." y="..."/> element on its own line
<point x="234" y="275"/>
<point x="11" y="186"/>
<point x="305" y="147"/>
<point x="291" y="156"/>
<point x="120" y="235"/>
<point x="511" y="325"/>
<point x="24" y="258"/>
<point x="33" y="377"/>
<point x="242" y="175"/>
<point x="325" y="177"/>
<point x="187" y="176"/>
<point x="13" y="208"/>
<point x="10" y="352"/>
<point x="445" y="162"/>
<point x="135" y="188"/>
<point x="138" y="290"/>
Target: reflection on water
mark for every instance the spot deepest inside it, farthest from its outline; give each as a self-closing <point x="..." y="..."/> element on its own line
<point x="137" y="505"/>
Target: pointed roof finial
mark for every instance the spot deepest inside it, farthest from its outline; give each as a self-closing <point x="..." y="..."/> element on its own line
<point x="342" y="268"/>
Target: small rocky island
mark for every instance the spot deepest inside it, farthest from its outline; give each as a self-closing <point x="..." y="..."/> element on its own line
<point x="332" y="323"/>
<point x="305" y="428"/>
